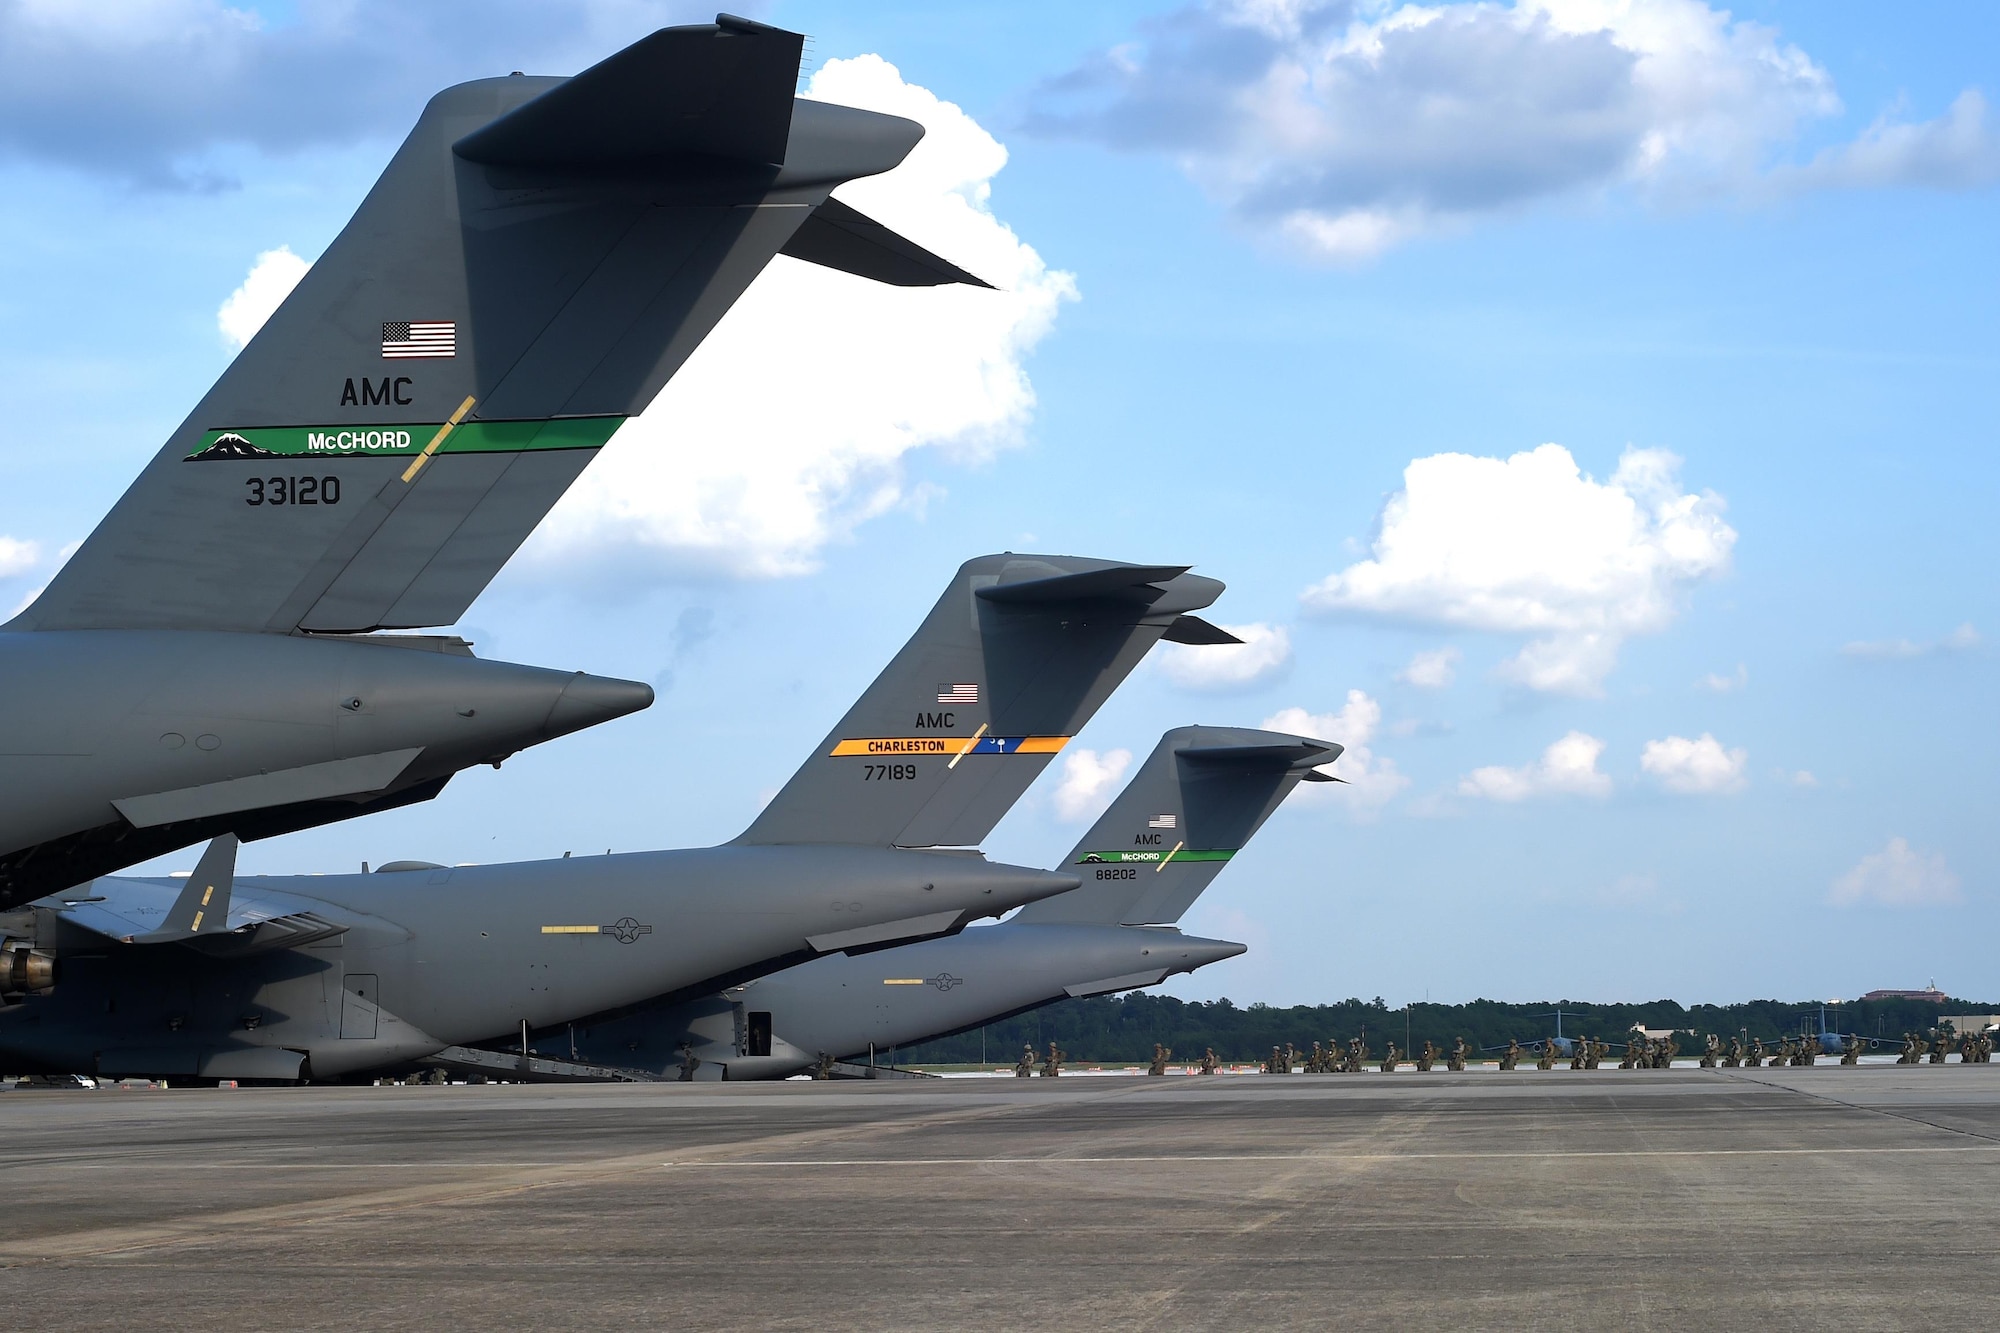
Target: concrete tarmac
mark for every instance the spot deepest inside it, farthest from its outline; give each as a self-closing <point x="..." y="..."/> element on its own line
<point x="1682" y="1199"/>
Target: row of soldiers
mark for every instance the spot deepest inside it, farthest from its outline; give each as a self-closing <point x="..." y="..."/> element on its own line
<point x="1974" y="1048"/>
<point x="1641" y="1052"/>
<point x="1333" y="1058"/>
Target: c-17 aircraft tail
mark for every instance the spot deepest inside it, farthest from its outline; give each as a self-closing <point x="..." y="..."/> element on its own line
<point x="1193" y="805"/>
<point x="1013" y="659"/>
<point x="537" y="260"/>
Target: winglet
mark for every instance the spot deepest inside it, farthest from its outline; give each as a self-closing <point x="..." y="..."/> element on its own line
<point x="203" y="907"/>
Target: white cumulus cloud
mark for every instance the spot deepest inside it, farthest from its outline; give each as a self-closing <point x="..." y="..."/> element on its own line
<point x="1265" y="652"/>
<point x="1532" y="545"/>
<point x="1721" y="684"/>
<point x="1898" y="876"/>
<point x="1961" y="640"/>
<point x="1695" y="767"/>
<point x="270" y="281"/>
<point x="1346" y="129"/>
<point x="787" y="428"/>
<point x="1567" y="768"/>
<point x="1372" y="780"/>
<point x="1087" y="782"/>
<point x="18" y="556"/>
<point x="1957" y="151"/>
<point x="1432" y="670"/>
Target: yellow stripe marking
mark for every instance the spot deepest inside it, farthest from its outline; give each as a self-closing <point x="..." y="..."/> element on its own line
<point x="197" y="922"/>
<point x="1168" y="857"/>
<point x="572" y="930"/>
<point x="1041" y="744"/>
<point x="893" y="745"/>
<point x="967" y="748"/>
<point x="902" y="981"/>
<point x="417" y="463"/>
<point x="206" y="894"/>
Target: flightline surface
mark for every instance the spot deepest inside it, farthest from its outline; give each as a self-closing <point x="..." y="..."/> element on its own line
<point x="1682" y="1198"/>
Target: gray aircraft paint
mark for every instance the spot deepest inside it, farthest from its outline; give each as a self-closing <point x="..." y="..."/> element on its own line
<point x="468" y="954"/>
<point x="1200" y="797"/>
<point x="537" y="260"/>
<point x="456" y="955"/>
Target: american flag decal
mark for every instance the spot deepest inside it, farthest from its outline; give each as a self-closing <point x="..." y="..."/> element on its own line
<point x="1162" y="821"/>
<point x="958" y="694"/>
<point x="413" y="339"/>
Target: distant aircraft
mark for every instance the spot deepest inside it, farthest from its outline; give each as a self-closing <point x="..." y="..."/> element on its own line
<point x="328" y="976"/>
<point x="1192" y="806"/>
<point x="538" y="259"/>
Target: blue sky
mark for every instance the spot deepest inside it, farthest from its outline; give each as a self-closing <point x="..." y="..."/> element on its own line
<point x="1714" y="728"/>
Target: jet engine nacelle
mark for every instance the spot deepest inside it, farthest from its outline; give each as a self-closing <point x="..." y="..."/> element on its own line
<point x="119" y="745"/>
<point x="23" y="970"/>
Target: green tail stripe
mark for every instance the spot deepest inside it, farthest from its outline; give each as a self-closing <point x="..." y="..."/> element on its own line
<point x="470" y="437"/>
<point x="1154" y="858"/>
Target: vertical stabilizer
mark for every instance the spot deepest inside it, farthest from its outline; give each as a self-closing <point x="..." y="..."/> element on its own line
<point x="1016" y="656"/>
<point x="1194" y="803"/>
<point x="537" y="260"/>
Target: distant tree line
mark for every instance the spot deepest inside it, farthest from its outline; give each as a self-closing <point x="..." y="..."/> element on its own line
<point x="1124" y="1027"/>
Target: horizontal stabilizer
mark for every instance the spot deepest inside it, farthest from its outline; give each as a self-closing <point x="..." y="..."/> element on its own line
<point x="839" y="237"/>
<point x="1196" y="801"/>
<point x="721" y="90"/>
<point x="1300" y="752"/>
<point x="1013" y="659"/>
<point x="1195" y="631"/>
<point x="1131" y="583"/>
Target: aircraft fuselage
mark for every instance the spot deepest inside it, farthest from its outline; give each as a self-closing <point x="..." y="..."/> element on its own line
<point x="357" y="972"/>
<point x="120" y="745"/>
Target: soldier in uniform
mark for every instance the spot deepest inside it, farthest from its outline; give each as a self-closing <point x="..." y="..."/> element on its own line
<point x="1547" y="1059"/>
<point x="1313" y="1060"/>
<point x="1511" y="1057"/>
<point x="1357" y="1054"/>
<point x="689" y="1062"/>
<point x="1711" y="1053"/>
<point x="1457" y="1062"/>
<point x="1291" y="1056"/>
<point x="823" y="1067"/>
<point x="1052" y="1067"/>
<point x="1734" y="1056"/>
<point x="1940" y="1045"/>
<point x="1161" y="1054"/>
<point x="1427" y="1057"/>
<point x="1631" y="1060"/>
<point x="1208" y="1060"/>
<point x="1808" y="1050"/>
<point x="1025" y="1066"/>
<point x="1850" y="1050"/>
<point x="1756" y="1057"/>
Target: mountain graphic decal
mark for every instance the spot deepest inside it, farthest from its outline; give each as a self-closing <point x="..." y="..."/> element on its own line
<point x="231" y="445"/>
